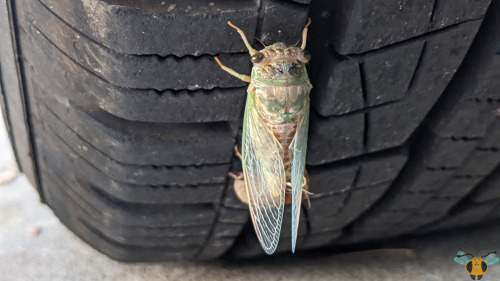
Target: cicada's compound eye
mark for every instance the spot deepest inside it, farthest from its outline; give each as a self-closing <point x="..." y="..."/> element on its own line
<point x="305" y="56"/>
<point x="257" y="58"/>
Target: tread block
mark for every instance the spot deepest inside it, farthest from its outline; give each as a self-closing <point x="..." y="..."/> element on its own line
<point x="359" y="199"/>
<point x="391" y="125"/>
<point x="112" y="248"/>
<point x="231" y="215"/>
<point x="345" y="134"/>
<point x="388" y="73"/>
<point x="492" y="139"/>
<point x="381" y="170"/>
<point x="222" y="230"/>
<point x="229" y="224"/>
<point x="350" y="189"/>
<point x="112" y="173"/>
<point x="489" y="189"/>
<point x="471" y="215"/>
<point x="152" y="28"/>
<point x="218" y="104"/>
<point x="324" y="180"/>
<point x="365" y="25"/>
<point x="216" y="247"/>
<point x="173" y="238"/>
<point x="443" y="152"/>
<point x="161" y="191"/>
<point x="326" y="205"/>
<point x="130" y="214"/>
<point x="338" y="90"/>
<point x="149" y="194"/>
<point x="449" y="12"/>
<point x="135" y="71"/>
<point x="179" y="242"/>
<point x="428" y="180"/>
<point x="388" y="127"/>
<point x="280" y="14"/>
<point x="361" y="26"/>
<point x="112" y="228"/>
<point x="411" y="200"/>
<point x="487" y="87"/>
<point x="377" y="227"/>
<point x="416" y="221"/>
<point x="436" y="205"/>
<point x="477" y="109"/>
<point x="458" y="186"/>
<point x="143" y="143"/>
<point x="480" y="163"/>
<point x="470" y="120"/>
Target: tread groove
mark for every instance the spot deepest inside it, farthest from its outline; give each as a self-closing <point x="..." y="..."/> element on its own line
<point x="417" y="67"/>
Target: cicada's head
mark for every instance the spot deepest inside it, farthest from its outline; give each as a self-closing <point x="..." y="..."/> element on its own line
<point x="280" y="64"/>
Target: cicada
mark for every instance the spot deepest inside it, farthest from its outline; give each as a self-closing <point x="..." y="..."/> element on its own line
<point x="274" y="138"/>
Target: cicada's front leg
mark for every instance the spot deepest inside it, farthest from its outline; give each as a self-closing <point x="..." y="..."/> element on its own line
<point x="243" y="77"/>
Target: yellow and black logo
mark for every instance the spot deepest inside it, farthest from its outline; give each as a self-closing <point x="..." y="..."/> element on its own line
<point x="476" y="266"/>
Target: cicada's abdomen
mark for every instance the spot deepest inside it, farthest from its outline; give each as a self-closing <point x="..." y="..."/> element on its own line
<point x="281" y="108"/>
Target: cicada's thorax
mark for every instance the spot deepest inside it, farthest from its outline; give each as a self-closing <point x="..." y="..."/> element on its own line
<point x="281" y="90"/>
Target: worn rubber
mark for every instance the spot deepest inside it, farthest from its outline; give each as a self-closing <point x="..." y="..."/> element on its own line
<point x="133" y="124"/>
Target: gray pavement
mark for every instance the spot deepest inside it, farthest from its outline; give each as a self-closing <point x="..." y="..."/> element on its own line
<point x="34" y="245"/>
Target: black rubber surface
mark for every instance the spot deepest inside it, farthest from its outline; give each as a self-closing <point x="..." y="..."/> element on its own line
<point x="133" y="124"/>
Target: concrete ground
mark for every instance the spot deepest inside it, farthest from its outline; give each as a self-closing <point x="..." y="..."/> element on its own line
<point x="34" y="245"/>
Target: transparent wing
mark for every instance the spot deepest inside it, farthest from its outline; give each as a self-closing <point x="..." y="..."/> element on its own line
<point x="264" y="177"/>
<point x="461" y="260"/>
<point x="491" y="259"/>
<point x="298" y="148"/>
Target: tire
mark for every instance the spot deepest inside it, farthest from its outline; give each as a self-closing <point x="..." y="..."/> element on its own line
<point x="126" y="125"/>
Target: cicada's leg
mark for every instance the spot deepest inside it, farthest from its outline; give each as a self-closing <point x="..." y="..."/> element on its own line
<point x="305" y="190"/>
<point x="239" y="186"/>
<point x="237" y="152"/>
<point x="243" y="77"/>
<point x="304" y="34"/>
<point x="251" y="50"/>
